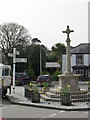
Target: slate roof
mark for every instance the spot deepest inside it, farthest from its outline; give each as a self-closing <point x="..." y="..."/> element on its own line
<point x="80" y="66"/>
<point x="52" y="64"/>
<point x="81" y="48"/>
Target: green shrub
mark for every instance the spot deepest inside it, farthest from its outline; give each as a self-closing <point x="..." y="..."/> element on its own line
<point x="54" y="77"/>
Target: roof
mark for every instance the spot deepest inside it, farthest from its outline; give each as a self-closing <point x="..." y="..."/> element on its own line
<point x="81" y="48"/>
<point x="52" y="64"/>
<point x="81" y="66"/>
<point x="4" y="66"/>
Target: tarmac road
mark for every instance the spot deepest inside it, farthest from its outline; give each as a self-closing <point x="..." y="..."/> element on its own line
<point x="18" y="111"/>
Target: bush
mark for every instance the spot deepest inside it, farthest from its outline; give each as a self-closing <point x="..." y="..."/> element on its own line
<point x="54" y="77"/>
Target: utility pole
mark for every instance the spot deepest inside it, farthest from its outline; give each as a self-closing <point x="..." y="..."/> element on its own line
<point x="40" y="62"/>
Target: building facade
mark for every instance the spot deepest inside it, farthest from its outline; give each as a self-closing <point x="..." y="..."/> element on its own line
<point x="0" y="56"/>
<point x="80" y="60"/>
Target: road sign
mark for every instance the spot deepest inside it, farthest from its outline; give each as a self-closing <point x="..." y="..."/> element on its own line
<point x="17" y="53"/>
<point x="24" y="60"/>
<point x="10" y="54"/>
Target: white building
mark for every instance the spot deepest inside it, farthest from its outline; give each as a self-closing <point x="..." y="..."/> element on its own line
<point x="0" y="56"/>
<point x="80" y="60"/>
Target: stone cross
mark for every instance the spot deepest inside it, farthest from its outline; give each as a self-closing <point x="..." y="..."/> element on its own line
<point x="68" y="60"/>
<point x="68" y="31"/>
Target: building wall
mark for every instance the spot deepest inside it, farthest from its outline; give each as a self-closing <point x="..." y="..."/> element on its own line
<point x="0" y="56"/>
<point x="89" y="59"/>
<point x="86" y="62"/>
<point x="73" y="60"/>
<point x="63" y="63"/>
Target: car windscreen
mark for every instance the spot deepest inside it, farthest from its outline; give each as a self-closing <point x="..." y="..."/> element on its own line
<point x="43" y="77"/>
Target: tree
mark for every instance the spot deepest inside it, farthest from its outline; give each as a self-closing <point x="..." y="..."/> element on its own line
<point x="33" y="54"/>
<point x="57" y="50"/>
<point x="12" y="35"/>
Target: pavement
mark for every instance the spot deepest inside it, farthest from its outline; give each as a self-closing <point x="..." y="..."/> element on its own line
<point x="17" y="98"/>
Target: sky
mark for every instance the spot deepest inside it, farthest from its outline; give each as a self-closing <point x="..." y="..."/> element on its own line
<point x="46" y="19"/>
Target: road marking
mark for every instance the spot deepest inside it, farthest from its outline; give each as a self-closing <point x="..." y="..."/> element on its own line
<point x="52" y="115"/>
<point x="61" y="111"/>
<point x="9" y="106"/>
<point x="13" y="105"/>
<point x="75" y="111"/>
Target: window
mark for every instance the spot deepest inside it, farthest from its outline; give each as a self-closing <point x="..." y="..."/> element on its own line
<point x="79" y="59"/>
<point x="6" y="72"/>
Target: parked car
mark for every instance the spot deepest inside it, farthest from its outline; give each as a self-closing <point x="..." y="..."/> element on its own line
<point x="21" y="79"/>
<point x="43" y="79"/>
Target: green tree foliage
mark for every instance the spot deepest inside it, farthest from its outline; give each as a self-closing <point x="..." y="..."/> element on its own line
<point x="54" y="76"/>
<point x="58" y="49"/>
<point x="33" y="54"/>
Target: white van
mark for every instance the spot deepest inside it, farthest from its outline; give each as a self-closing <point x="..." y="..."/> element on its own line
<point x="5" y="78"/>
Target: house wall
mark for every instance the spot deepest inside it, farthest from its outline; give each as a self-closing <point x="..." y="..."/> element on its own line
<point x="89" y="59"/>
<point x="0" y="56"/>
<point x="86" y="62"/>
<point x="63" y="63"/>
<point x="89" y="65"/>
<point x="73" y="60"/>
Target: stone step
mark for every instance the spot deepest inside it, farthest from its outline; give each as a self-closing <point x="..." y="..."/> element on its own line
<point x="52" y="95"/>
<point x="75" y="97"/>
<point x="55" y="90"/>
<point x="46" y="98"/>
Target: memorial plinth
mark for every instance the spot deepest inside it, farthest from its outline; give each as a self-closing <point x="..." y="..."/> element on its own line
<point x="68" y="78"/>
<point x="72" y="80"/>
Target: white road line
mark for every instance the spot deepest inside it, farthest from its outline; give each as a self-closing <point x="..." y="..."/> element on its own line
<point x="75" y="111"/>
<point x="13" y="105"/>
<point x="9" y="106"/>
<point x="52" y="115"/>
<point x="61" y="111"/>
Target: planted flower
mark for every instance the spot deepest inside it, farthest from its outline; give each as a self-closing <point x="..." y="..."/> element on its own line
<point x="35" y="97"/>
<point x="28" y="90"/>
<point x="65" y="96"/>
<point x="46" y="88"/>
<point x="66" y="90"/>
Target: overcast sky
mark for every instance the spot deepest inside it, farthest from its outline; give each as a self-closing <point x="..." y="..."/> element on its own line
<point x="46" y="19"/>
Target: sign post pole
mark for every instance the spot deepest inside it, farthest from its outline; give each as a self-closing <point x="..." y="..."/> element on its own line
<point x="14" y="57"/>
<point x="24" y="60"/>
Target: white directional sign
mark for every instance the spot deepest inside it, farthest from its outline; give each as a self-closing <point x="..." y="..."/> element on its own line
<point x="24" y="60"/>
<point x="10" y="54"/>
<point x="17" y="53"/>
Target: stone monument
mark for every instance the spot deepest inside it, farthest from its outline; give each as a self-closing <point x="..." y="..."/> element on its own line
<point x="69" y="78"/>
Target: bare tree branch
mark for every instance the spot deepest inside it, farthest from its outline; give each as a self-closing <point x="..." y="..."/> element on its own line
<point x="11" y="35"/>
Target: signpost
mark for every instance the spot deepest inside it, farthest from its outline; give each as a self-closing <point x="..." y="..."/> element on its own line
<point x="14" y="61"/>
<point x="24" y="60"/>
